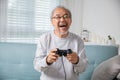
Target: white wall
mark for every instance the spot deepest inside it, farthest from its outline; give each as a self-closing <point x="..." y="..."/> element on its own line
<point x="102" y="17"/>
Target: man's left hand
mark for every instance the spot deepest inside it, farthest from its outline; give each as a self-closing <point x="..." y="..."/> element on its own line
<point x="73" y="58"/>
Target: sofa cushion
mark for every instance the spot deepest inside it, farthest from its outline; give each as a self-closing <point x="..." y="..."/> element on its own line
<point x="118" y="76"/>
<point x="108" y="69"/>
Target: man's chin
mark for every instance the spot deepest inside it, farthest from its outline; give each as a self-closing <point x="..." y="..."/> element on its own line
<point x="63" y="33"/>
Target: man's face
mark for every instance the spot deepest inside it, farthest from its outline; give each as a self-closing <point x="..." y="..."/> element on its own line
<point x="61" y="20"/>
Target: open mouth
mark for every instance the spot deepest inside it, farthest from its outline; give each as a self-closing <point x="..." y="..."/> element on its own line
<point x="62" y="25"/>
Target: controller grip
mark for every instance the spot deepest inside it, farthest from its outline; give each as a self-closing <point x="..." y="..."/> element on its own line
<point x="59" y="52"/>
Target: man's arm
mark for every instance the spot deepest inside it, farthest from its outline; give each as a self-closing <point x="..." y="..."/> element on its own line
<point x="82" y="63"/>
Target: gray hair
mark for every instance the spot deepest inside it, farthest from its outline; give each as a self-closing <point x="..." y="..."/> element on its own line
<point x="69" y="12"/>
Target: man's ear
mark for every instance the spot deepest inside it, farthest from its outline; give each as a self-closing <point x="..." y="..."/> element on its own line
<point x="51" y="21"/>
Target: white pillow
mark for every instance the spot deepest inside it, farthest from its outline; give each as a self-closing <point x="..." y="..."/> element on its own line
<point x="108" y="69"/>
<point x="118" y="76"/>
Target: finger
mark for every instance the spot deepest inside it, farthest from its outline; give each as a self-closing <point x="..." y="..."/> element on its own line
<point x="72" y="54"/>
<point x="68" y="54"/>
<point x="72" y="60"/>
<point x="54" y="54"/>
<point x="69" y="58"/>
<point x="51" y="59"/>
<point x="53" y="50"/>
<point x="54" y="57"/>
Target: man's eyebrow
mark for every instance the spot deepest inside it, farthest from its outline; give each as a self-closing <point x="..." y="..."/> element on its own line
<point x="63" y="14"/>
<point x="57" y="14"/>
<point x="66" y="14"/>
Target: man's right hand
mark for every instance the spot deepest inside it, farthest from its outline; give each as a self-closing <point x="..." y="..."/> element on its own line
<point x="52" y="57"/>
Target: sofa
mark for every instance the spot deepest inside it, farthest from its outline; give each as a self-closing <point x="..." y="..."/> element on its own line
<point x="16" y="60"/>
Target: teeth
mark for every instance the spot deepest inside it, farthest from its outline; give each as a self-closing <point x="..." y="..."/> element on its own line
<point x="62" y="24"/>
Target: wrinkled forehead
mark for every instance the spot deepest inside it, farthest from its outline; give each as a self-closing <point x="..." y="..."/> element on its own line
<point x="60" y="12"/>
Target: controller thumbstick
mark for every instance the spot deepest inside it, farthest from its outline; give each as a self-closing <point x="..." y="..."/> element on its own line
<point x="69" y="51"/>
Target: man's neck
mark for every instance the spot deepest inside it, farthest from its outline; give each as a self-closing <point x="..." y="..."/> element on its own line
<point x="61" y="35"/>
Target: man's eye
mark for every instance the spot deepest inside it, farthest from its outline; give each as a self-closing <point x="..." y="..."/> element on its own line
<point x="65" y="16"/>
<point x="58" y="17"/>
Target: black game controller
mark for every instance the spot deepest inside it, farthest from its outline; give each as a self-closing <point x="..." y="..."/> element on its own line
<point x="63" y="52"/>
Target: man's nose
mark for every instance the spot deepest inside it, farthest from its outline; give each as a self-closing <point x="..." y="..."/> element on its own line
<point x="62" y="19"/>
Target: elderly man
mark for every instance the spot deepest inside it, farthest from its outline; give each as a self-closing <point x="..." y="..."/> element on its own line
<point x="60" y="54"/>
